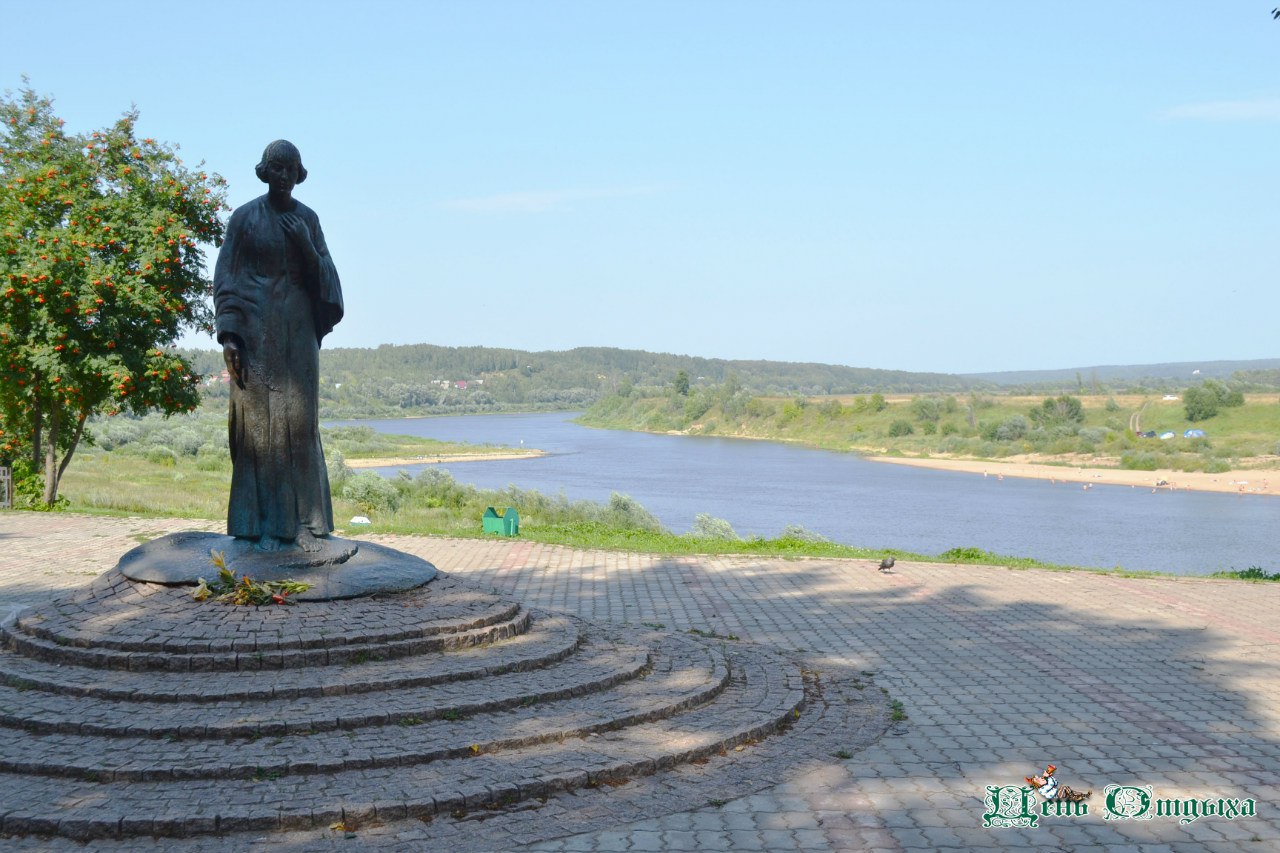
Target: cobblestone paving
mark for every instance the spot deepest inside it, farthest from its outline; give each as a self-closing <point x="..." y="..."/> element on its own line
<point x="1171" y="683"/>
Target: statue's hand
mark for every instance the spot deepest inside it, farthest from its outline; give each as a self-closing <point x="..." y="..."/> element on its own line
<point x="299" y="233"/>
<point x="231" y="355"/>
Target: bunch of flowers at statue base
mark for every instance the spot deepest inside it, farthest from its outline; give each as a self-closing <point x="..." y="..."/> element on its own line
<point x="244" y="589"/>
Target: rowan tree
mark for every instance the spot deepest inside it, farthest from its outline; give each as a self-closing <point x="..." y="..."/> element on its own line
<point x="101" y="271"/>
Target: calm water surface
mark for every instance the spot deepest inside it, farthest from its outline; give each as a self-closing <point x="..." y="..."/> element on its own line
<point x="761" y="487"/>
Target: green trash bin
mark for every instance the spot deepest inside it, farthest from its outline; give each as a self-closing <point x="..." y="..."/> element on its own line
<point x="506" y="524"/>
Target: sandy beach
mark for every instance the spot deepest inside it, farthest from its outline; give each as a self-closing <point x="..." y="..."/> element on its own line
<point x="1254" y="482"/>
<point x="437" y="459"/>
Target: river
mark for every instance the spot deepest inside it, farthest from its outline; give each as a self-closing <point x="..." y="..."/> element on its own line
<point x="760" y="487"/>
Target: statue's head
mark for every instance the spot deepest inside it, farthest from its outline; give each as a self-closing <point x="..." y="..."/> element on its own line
<point x="281" y="149"/>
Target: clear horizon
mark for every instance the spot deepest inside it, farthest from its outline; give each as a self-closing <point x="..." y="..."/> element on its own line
<point x="937" y="188"/>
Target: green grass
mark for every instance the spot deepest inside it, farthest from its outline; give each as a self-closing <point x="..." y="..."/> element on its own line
<point x="1237" y="438"/>
<point x="1253" y="573"/>
<point x="116" y="483"/>
<point x="362" y="442"/>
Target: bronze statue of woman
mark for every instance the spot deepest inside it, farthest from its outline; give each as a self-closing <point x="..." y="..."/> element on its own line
<point x="276" y="295"/>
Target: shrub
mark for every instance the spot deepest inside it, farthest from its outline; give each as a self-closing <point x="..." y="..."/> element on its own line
<point x="626" y="511"/>
<point x="336" y="466"/>
<point x="437" y="488"/>
<point x="949" y="428"/>
<point x="1253" y="573"/>
<point x="926" y="409"/>
<point x="161" y="455"/>
<point x="371" y="492"/>
<point x="116" y="432"/>
<point x="901" y="427"/>
<point x="1205" y="400"/>
<point x="212" y="450"/>
<point x="709" y="527"/>
<point x="213" y="457"/>
<point x="695" y="406"/>
<point x="28" y="488"/>
<point x="801" y="534"/>
<point x="969" y="553"/>
<point x="183" y="440"/>
<point x="1058" y="410"/>
<point x="1200" y="403"/>
<point x="1012" y="428"/>
<point x="1135" y="460"/>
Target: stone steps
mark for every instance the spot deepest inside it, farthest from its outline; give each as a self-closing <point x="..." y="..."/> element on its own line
<point x="549" y="639"/>
<point x="682" y="678"/>
<point x="763" y="693"/>
<point x="255" y="651"/>
<point x="128" y="708"/>
<point x="116" y="614"/>
<point x="252" y="661"/>
<point x="596" y="666"/>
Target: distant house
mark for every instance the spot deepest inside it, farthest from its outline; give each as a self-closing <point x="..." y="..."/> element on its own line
<point x="1171" y="396"/>
<point x="461" y="384"/>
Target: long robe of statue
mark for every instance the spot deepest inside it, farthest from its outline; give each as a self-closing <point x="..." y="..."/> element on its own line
<point x="277" y="310"/>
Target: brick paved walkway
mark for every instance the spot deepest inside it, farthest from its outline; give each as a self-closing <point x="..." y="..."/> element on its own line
<point x="1168" y="683"/>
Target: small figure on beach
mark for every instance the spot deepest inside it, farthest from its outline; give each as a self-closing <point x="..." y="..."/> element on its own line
<point x="276" y="295"/>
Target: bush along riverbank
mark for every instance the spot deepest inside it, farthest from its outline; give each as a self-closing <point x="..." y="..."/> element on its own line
<point x="1096" y="431"/>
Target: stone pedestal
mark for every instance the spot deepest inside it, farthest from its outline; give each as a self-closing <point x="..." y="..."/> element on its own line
<point x="342" y="568"/>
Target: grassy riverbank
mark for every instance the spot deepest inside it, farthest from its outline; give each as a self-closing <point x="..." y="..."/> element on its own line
<point x="434" y="503"/>
<point x="1088" y="431"/>
<point x="180" y="466"/>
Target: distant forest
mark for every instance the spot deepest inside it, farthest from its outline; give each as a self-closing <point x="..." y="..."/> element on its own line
<point x="422" y="379"/>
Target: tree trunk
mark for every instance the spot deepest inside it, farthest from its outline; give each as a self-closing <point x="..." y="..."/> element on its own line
<point x="53" y="469"/>
<point x="51" y="459"/>
<point x="35" y="437"/>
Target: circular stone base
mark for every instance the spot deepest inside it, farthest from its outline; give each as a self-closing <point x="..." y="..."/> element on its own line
<point x="343" y="568"/>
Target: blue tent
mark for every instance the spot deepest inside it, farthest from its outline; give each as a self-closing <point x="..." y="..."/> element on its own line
<point x="1193" y="433"/>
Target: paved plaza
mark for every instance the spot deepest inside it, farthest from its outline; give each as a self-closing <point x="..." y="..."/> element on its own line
<point x="1168" y="683"/>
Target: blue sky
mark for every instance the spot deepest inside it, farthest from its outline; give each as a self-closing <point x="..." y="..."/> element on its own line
<point x="942" y="186"/>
